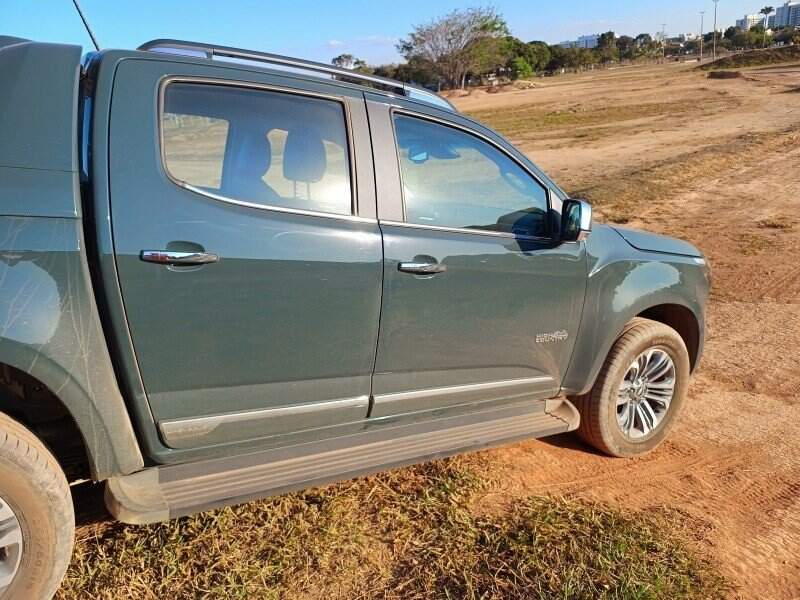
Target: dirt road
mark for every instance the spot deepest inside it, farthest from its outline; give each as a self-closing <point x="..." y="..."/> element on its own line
<point x="725" y="165"/>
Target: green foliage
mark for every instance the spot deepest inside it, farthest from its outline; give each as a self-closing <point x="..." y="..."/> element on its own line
<point x="415" y="71"/>
<point x="521" y="69"/>
<point x="536" y="55"/>
<point x="459" y="42"/>
<point x="539" y="55"/>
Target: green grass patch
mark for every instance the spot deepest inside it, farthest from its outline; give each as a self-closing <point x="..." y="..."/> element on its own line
<point x="410" y="533"/>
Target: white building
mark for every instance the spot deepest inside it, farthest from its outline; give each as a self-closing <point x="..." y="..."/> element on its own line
<point x="787" y="15"/>
<point x="749" y="22"/>
<point x="584" y="41"/>
<point x="589" y="41"/>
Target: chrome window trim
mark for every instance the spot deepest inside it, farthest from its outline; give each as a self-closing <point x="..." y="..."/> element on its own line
<point x="279" y="209"/>
<point x="446" y="123"/>
<point x="230" y="83"/>
<point x="503" y="234"/>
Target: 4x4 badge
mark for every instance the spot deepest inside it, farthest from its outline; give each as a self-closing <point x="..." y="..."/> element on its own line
<point x="555" y="336"/>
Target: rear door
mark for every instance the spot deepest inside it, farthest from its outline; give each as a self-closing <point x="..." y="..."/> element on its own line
<point x="247" y="251"/>
<point x="481" y="303"/>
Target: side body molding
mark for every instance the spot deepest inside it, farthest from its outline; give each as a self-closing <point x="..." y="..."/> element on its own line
<point x="623" y="284"/>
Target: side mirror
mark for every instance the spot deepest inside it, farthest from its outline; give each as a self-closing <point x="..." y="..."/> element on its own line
<point x="576" y="220"/>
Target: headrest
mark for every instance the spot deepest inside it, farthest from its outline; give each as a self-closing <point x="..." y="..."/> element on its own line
<point x="254" y="156"/>
<point x="304" y="156"/>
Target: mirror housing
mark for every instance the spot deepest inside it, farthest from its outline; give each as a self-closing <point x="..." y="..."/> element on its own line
<point x="576" y="220"/>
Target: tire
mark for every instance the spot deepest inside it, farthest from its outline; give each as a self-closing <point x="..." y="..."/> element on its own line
<point x="34" y="488"/>
<point x="599" y="410"/>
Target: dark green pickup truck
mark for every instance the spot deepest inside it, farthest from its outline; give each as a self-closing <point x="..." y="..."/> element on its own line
<point x="226" y="274"/>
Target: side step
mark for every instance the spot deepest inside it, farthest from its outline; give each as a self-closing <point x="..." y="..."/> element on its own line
<point x="166" y="492"/>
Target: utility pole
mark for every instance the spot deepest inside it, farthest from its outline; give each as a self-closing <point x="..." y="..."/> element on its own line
<point x="702" y="35"/>
<point x="664" y="42"/>
<point x="715" y="28"/>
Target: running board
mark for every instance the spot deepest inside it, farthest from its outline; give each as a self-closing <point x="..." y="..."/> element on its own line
<point x="166" y="492"/>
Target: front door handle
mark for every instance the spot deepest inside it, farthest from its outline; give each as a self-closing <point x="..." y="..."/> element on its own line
<point x="422" y="268"/>
<point x="168" y="257"/>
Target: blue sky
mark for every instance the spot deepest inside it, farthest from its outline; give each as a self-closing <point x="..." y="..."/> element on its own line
<point x="321" y="30"/>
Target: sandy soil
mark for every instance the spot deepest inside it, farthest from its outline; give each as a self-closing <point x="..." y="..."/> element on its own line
<point x="732" y="466"/>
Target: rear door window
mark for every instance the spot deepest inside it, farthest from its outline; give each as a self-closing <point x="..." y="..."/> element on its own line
<point x="258" y="146"/>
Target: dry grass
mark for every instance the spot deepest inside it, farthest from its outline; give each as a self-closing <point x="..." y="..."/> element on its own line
<point x="621" y="196"/>
<point x="404" y="534"/>
<point x="756" y="58"/>
<point x="777" y="222"/>
<point x="528" y="121"/>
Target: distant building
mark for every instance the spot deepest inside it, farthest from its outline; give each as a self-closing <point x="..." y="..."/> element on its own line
<point x="584" y="41"/>
<point x="787" y="15"/>
<point x="749" y="22"/>
<point x="589" y="41"/>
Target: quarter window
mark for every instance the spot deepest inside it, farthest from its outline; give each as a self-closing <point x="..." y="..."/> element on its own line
<point x="258" y="146"/>
<point x="454" y="179"/>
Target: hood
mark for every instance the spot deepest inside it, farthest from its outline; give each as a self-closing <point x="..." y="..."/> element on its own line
<point x="652" y="242"/>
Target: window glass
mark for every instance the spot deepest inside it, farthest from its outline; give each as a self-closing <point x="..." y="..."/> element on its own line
<point x="258" y="146"/>
<point x="454" y="179"/>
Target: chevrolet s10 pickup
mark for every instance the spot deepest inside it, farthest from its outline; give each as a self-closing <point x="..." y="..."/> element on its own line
<point x="226" y="274"/>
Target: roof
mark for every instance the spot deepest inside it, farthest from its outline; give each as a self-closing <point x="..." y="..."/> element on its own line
<point x="317" y="69"/>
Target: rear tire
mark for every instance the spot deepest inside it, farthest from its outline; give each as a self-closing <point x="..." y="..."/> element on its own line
<point x="605" y="424"/>
<point x="36" y="509"/>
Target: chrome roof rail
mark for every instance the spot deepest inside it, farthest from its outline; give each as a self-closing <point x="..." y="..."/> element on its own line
<point x="198" y="50"/>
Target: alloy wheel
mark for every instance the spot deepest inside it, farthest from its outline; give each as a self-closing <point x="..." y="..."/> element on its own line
<point x="645" y="394"/>
<point x="11" y="545"/>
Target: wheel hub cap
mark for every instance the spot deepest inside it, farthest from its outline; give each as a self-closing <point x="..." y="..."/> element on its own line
<point x="10" y="545"/>
<point x="645" y="393"/>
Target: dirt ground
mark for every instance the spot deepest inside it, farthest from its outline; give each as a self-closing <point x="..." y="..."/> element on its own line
<point x="727" y="154"/>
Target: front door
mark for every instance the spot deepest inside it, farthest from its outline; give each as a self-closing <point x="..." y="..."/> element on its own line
<point x="481" y="305"/>
<point x="251" y="284"/>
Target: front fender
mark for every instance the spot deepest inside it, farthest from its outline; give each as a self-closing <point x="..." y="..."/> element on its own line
<point x="623" y="283"/>
<point x="50" y="329"/>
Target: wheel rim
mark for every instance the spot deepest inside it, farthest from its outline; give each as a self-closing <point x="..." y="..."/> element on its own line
<point x="10" y="545"/>
<point x="645" y="394"/>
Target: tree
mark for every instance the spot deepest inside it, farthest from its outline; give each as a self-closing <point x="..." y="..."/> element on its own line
<point x="538" y="55"/>
<point x="535" y="54"/>
<point x="766" y="11"/>
<point x="607" y="40"/>
<point x="521" y="68"/>
<point x="452" y="44"/>
<point x="415" y="71"/>
<point x="348" y="61"/>
<point x="731" y="32"/>
<point x="625" y="46"/>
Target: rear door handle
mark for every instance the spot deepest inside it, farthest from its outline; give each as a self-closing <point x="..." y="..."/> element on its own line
<point x="422" y="268"/>
<point x="168" y="257"/>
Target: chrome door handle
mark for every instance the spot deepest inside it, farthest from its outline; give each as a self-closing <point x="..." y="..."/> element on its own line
<point x="422" y="268"/>
<point x="167" y="257"/>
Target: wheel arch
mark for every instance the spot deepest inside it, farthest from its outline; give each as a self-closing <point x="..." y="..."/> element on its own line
<point x="106" y="452"/>
<point x="50" y="331"/>
<point x="681" y="319"/>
